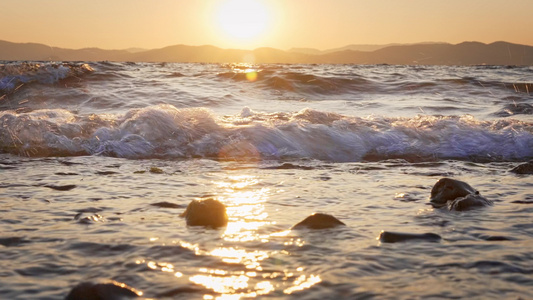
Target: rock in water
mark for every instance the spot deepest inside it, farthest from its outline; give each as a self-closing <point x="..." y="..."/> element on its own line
<point x="447" y="189"/>
<point x="396" y="237"/>
<point x="208" y="212"/>
<point x="319" y="221"/>
<point x="456" y="195"/>
<point x="526" y="168"/>
<point x="67" y="187"/>
<point x="468" y="202"/>
<point x="102" y="291"/>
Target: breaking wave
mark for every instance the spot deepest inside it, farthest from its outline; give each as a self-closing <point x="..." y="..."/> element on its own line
<point x="164" y="131"/>
<point x="14" y="75"/>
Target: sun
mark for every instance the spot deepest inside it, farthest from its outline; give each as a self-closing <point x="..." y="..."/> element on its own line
<point x="243" y="19"/>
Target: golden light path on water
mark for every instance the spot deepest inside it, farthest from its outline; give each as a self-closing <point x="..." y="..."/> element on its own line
<point x="245" y="201"/>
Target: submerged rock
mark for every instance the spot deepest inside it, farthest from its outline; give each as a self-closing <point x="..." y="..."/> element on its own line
<point x="165" y="204"/>
<point x="468" y="202"/>
<point x="397" y="237"/>
<point x="523" y="201"/>
<point x="456" y="195"/>
<point x="13" y="241"/>
<point x="156" y="170"/>
<point x="515" y="109"/>
<point x="208" y="212"/>
<point x="447" y="189"/>
<point x="319" y="221"/>
<point x="526" y="168"/>
<point x="102" y="291"/>
<point x="289" y="166"/>
<point x="89" y="219"/>
<point x="67" y="187"/>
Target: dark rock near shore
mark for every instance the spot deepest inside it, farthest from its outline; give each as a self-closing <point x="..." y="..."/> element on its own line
<point x="447" y="189"/>
<point x="515" y="109"/>
<point x="67" y="187"/>
<point x="523" y="201"/>
<point x="102" y="291"/>
<point x="397" y="237"/>
<point x="526" y="168"/>
<point x="468" y="202"/>
<point x="456" y="195"/>
<point x="165" y="204"/>
<point x="156" y="170"/>
<point x="319" y="221"/>
<point x="208" y="212"/>
<point x="13" y="241"/>
<point x="289" y="166"/>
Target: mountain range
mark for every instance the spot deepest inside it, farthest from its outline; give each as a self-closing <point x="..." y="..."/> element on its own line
<point x="466" y="53"/>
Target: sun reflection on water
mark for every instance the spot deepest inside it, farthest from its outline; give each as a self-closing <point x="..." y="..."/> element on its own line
<point x="241" y="273"/>
<point x="250" y="259"/>
<point x="245" y="207"/>
<point x="303" y="282"/>
<point x="222" y="284"/>
<point x="232" y="287"/>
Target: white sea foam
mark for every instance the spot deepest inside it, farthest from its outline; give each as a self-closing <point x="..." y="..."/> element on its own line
<point x="167" y="132"/>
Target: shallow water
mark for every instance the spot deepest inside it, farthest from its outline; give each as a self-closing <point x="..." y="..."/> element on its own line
<point x="93" y="186"/>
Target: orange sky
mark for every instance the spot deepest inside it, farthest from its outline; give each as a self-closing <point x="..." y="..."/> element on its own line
<point x="321" y="24"/>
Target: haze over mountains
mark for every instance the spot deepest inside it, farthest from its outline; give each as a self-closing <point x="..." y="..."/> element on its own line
<point x="466" y="53"/>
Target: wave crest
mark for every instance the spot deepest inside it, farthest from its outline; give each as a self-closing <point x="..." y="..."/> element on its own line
<point x="165" y="131"/>
<point x="14" y="75"/>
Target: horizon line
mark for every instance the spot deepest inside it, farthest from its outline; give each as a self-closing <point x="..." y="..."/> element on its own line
<point x="141" y="49"/>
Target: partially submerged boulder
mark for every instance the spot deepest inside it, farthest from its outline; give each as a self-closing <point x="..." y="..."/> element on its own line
<point x="208" y="212"/>
<point x="456" y="195"/>
<point x="526" y="168"/>
<point x="469" y="202"/>
<point x="103" y="291"/>
<point x="398" y="237"/>
<point x="319" y="221"/>
<point x="447" y="189"/>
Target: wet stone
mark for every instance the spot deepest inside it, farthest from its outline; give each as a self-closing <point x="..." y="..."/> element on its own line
<point x="398" y="237"/>
<point x="156" y="170"/>
<point x="66" y="174"/>
<point x="468" y="202"/>
<point x="166" y="205"/>
<point x="102" y="291"/>
<point x="319" y="221"/>
<point x="523" y="202"/>
<point x="13" y="241"/>
<point x="526" y="168"/>
<point x="105" y="172"/>
<point x="95" y="218"/>
<point x="289" y="166"/>
<point x="456" y="195"/>
<point x="208" y="212"/>
<point x="67" y="187"/>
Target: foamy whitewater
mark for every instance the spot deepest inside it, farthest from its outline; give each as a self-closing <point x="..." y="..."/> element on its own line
<point x="99" y="159"/>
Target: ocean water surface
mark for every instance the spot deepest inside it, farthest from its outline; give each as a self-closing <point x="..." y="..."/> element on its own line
<point x="99" y="159"/>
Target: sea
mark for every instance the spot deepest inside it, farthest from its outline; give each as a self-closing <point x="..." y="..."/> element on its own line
<point x="98" y="160"/>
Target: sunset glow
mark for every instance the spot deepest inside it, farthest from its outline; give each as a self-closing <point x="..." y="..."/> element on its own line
<point x="243" y="19"/>
<point x="243" y="23"/>
<point x="249" y="24"/>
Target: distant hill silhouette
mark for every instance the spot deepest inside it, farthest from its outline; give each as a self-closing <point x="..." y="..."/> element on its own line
<point x="353" y="47"/>
<point x="467" y="53"/>
<point x="32" y="51"/>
